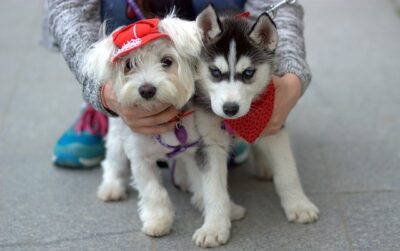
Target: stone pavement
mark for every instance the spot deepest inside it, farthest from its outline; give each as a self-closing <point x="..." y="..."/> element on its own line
<point x="345" y="135"/>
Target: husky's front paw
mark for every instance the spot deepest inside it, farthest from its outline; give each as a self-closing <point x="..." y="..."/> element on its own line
<point x="111" y="191"/>
<point x="263" y="172"/>
<point x="180" y="177"/>
<point x="237" y="212"/>
<point x="211" y="236"/>
<point x="301" y="211"/>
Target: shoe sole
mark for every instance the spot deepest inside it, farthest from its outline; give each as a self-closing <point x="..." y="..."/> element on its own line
<point x="77" y="163"/>
<point x="242" y="157"/>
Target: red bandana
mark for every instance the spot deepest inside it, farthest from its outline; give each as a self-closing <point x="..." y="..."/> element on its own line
<point x="250" y="126"/>
<point x="135" y="36"/>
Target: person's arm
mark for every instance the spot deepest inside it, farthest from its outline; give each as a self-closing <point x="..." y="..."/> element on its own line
<point x="75" y="26"/>
<point x="291" y="54"/>
<point x="292" y="74"/>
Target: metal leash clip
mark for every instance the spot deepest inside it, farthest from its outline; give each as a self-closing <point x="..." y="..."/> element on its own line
<point x="271" y="9"/>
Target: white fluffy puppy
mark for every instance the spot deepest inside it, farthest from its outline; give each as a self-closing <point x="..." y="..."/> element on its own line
<point x="149" y="63"/>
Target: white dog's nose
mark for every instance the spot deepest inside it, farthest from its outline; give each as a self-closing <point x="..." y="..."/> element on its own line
<point x="147" y="91"/>
<point x="230" y="108"/>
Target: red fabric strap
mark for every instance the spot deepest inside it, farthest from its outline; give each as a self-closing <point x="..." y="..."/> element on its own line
<point x="250" y="126"/>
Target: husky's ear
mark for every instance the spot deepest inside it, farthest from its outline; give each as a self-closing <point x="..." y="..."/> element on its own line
<point x="209" y="23"/>
<point x="264" y="32"/>
<point x="97" y="61"/>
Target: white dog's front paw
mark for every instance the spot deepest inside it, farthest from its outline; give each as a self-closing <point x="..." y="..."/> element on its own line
<point x="237" y="212"/>
<point x="157" y="219"/>
<point x="211" y="236"/>
<point x="112" y="190"/>
<point x="158" y="226"/>
<point x="301" y="211"/>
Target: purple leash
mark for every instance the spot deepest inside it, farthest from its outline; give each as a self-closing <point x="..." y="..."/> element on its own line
<point x="181" y="135"/>
<point x="133" y="5"/>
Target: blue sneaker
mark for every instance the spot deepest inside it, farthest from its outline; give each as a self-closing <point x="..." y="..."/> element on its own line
<point x="82" y="145"/>
<point x="240" y="152"/>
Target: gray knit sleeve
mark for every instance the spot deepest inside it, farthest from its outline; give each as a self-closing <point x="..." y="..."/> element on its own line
<point x="291" y="54"/>
<point x="75" y="26"/>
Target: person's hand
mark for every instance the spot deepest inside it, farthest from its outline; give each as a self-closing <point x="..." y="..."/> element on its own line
<point x="287" y="93"/>
<point x="138" y="119"/>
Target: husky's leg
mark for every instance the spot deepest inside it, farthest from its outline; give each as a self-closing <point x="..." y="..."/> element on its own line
<point x="216" y="227"/>
<point x="193" y="174"/>
<point x="297" y="206"/>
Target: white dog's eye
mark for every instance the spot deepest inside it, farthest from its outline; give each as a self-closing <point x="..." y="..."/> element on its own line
<point x="166" y="62"/>
<point x="248" y="73"/>
<point x="128" y="65"/>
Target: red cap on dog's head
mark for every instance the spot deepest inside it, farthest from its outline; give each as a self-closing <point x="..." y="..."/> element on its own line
<point x="135" y="36"/>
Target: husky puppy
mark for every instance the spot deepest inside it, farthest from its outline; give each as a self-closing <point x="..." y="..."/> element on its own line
<point x="236" y="64"/>
<point x="163" y="71"/>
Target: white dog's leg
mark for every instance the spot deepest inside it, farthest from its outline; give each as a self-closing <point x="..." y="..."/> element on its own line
<point x="115" y="170"/>
<point x="155" y="208"/>
<point x="216" y="228"/>
<point x="298" y="208"/>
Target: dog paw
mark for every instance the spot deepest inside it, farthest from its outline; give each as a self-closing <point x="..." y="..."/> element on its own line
<point x="207" y="237"/>
<point x="111" y="191"/>
<point x="263" y="172"/>
<point x="180" y="178"/>
<point x="237" y="212"/>
<point x="301" y="211"/>
<point x="157" y="219"/>
<point x="156" y="227"/>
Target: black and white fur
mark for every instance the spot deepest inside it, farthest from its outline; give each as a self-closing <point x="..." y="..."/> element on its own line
<point x="167" y="65"/>
<point x="236" y="64"/>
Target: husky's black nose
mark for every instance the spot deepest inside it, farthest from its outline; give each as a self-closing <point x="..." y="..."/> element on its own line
<point x="230" y="108"/>
<point x="147" y="91"/>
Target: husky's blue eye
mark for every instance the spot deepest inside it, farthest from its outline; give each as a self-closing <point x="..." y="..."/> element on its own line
<point x="248" y="73"/>
<point x="215" y="72"/>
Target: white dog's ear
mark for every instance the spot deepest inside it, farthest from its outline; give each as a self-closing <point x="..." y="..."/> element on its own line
<point x="184" y="35"/>
<point x="209" y="23"/>
<point x="97" y="62"/>
<point x="264" y="32"/>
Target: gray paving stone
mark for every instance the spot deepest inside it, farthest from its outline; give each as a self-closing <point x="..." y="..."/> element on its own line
<point x="373" y="220"/>
<point x="44" y="104"/>
<point x="264" y="228"/>
<point x="13" y="48"/>
<point x="118" y="241"/>
<point x="359" y="166"/>
<point x="343" y="132"/>
<point x="353" y="95"/>
<point x="41" y="203"/>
